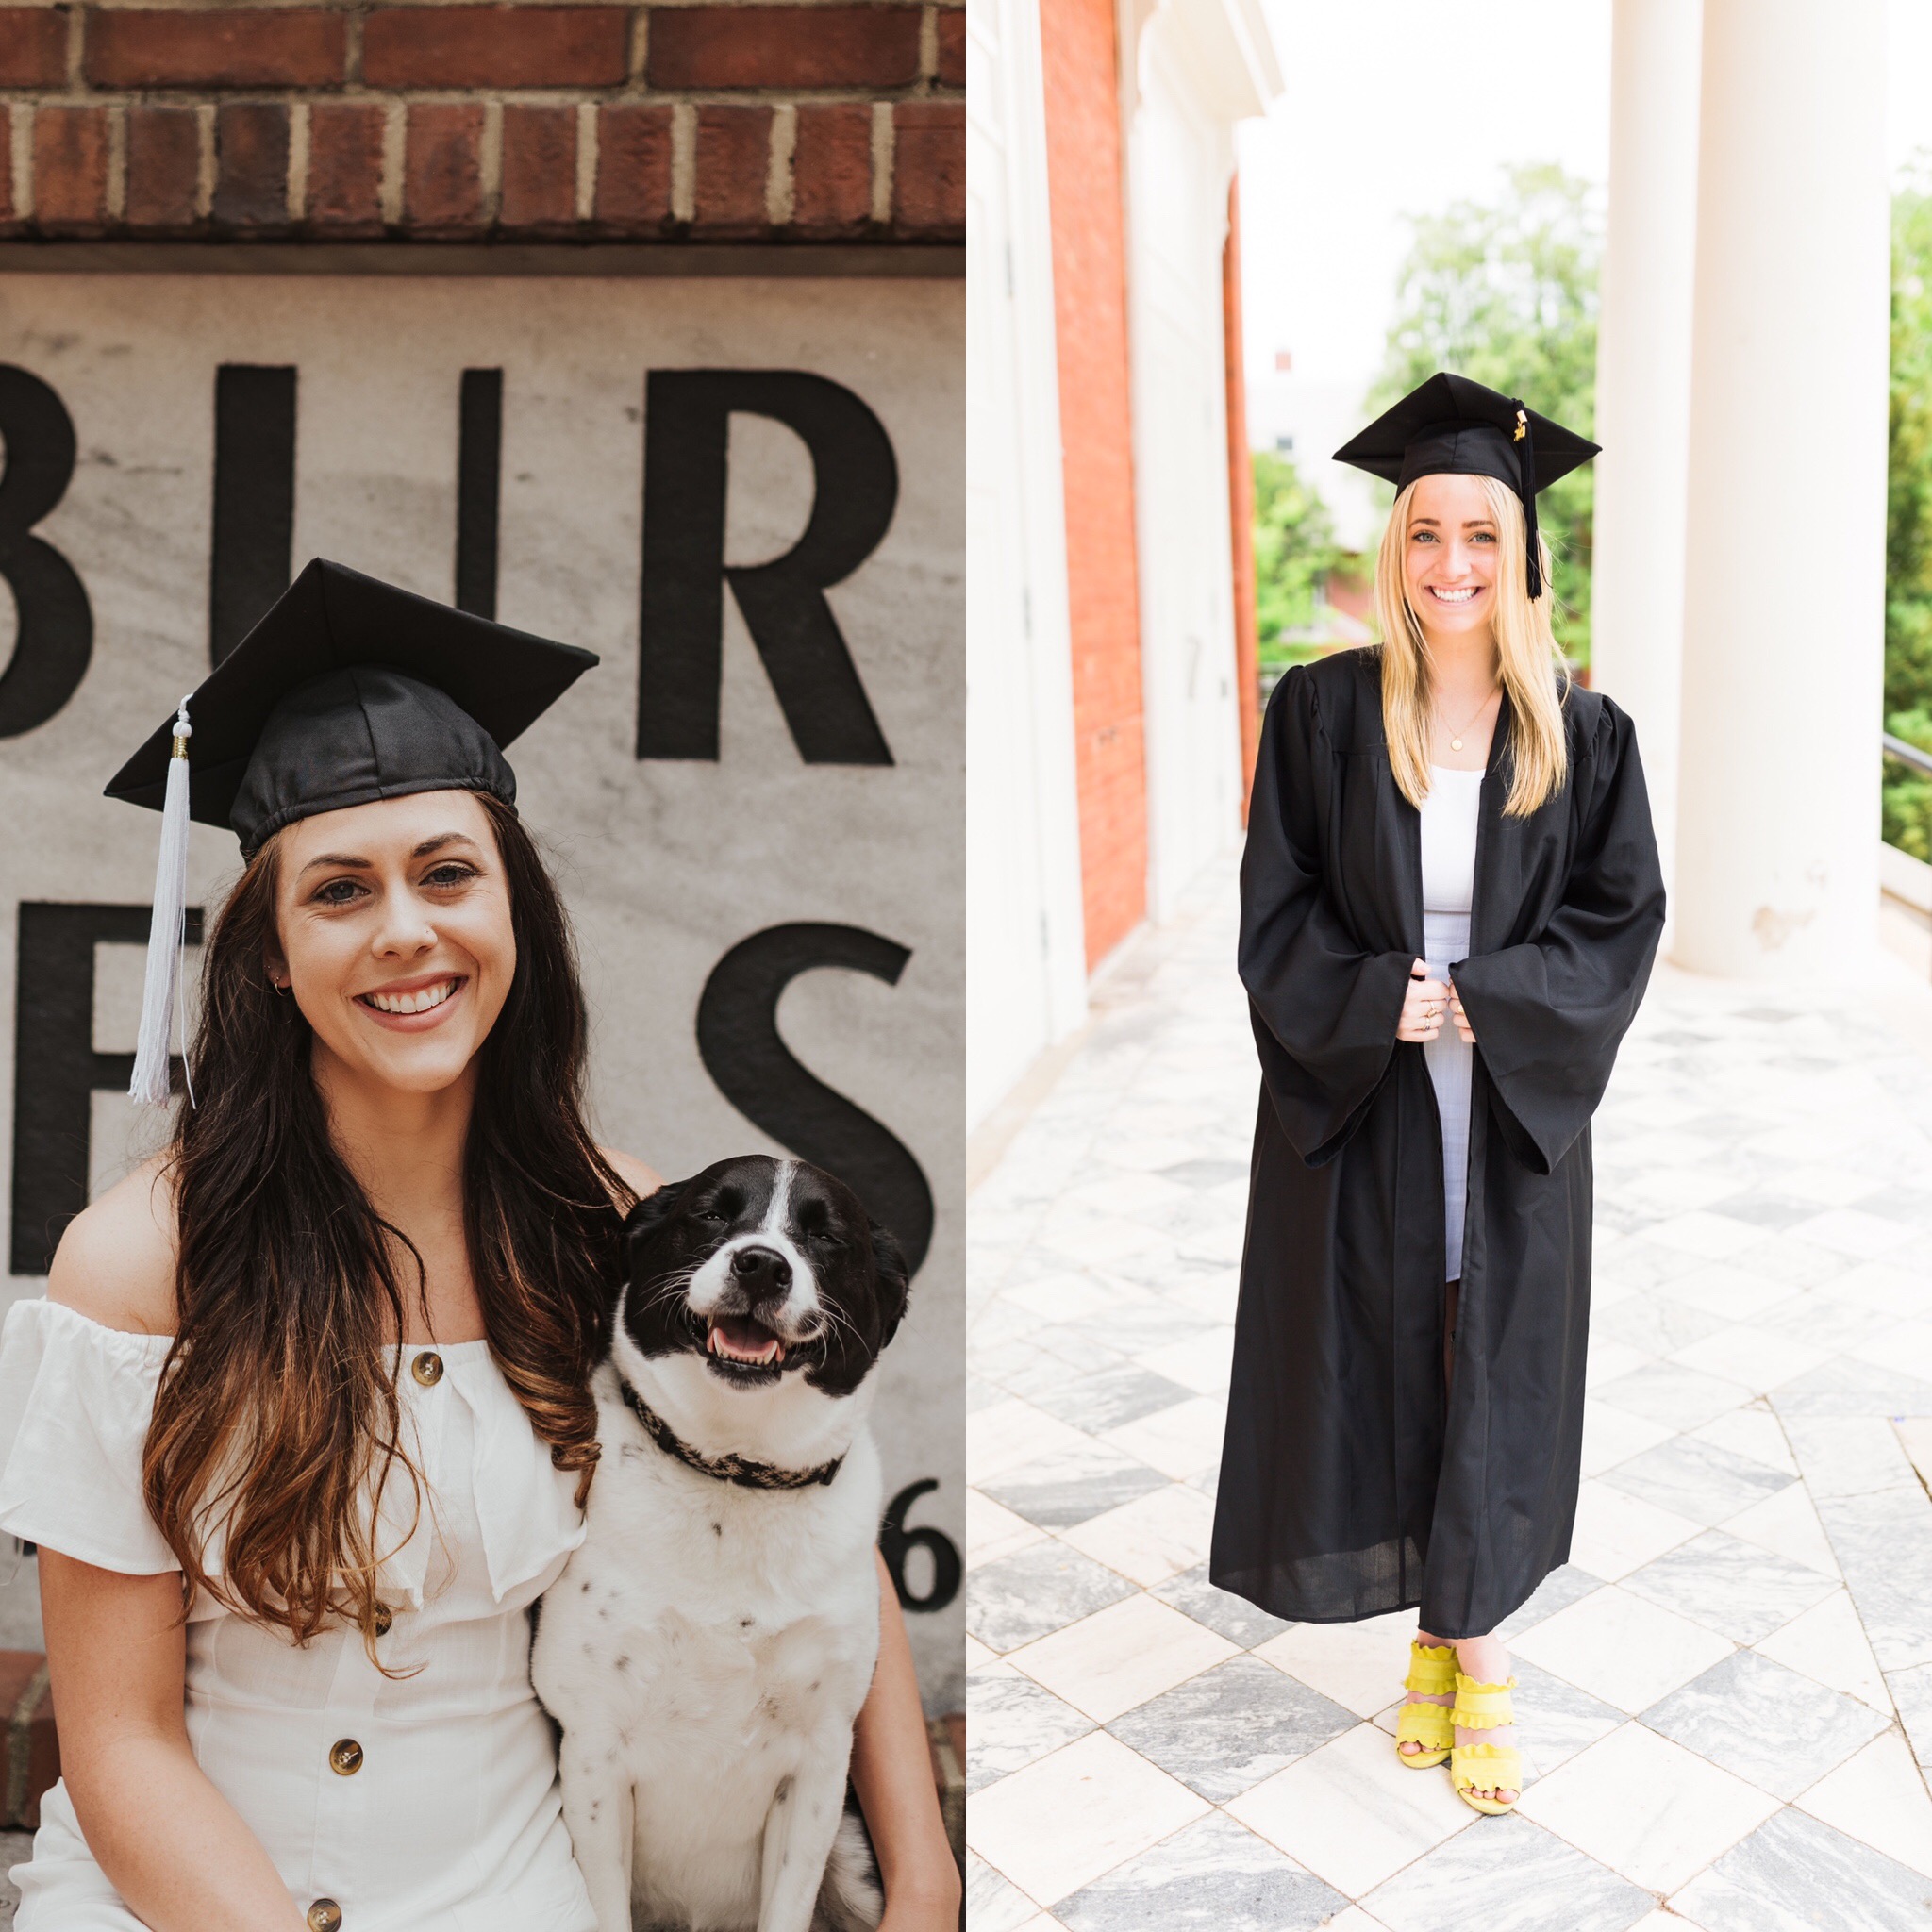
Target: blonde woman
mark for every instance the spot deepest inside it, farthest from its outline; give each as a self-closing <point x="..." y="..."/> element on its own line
<point x="1450" y="902"/>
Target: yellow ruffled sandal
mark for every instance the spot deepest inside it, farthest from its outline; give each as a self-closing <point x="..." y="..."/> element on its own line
<point x="1484" y="1767"/>
<point x="1431" y="1674"/>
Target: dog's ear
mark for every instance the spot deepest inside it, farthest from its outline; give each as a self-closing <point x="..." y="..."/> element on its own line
<point x="889" y="1267"/>
<point x="651" y="1213"/>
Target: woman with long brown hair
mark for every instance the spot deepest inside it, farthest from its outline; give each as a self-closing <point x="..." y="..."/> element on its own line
<point x="1450" y="901"/>
<point x="303" y="1427"/>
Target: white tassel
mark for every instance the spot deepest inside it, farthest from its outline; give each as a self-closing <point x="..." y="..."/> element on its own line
<point x="160" y="997"/>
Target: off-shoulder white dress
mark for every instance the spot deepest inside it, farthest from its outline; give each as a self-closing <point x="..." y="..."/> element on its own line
<point x="424" y="1803"/>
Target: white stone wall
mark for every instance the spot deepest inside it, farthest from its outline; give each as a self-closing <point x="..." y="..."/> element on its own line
<point x="1026" y="962"/>
<point x="666" y="865"/>
<point x="1199" y="67"/>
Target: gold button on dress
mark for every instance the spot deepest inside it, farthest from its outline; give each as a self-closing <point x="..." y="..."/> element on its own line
<point x="420" y="1800"/>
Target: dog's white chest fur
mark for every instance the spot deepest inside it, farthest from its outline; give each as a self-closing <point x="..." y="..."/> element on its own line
<point x="705" y="1653"/>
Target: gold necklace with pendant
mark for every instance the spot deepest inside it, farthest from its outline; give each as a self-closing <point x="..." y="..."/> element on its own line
<point x="1455" y="737"/>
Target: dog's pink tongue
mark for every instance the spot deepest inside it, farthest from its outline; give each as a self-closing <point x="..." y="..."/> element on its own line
<point x="746" y="1341"/>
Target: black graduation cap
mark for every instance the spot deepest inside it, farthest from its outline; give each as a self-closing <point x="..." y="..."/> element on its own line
<point x="348" y="690"/>
<point x="1455" y="427"/>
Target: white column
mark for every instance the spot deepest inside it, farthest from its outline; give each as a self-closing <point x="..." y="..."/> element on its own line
<point x="1026" y="941"/>
<point x="1200" y="67"/>
<point x="1777" y="815"/>
<point x="1643" y="383"/>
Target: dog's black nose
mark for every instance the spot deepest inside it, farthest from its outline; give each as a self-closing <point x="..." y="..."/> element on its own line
<point x="762" y="1272"/>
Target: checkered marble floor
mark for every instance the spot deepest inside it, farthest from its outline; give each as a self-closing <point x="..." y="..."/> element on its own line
<point x="1725" y="1698"/>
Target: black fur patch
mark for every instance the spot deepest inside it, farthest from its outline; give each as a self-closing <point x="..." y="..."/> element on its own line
<point x="857" y="1266"/>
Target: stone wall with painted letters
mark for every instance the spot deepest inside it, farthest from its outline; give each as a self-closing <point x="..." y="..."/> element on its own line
<point x="746" y="494"/>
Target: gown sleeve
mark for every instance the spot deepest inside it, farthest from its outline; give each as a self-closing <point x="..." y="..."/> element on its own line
<point x="1325" y="1008"/>
<point x="75" y="1401"/>
<point x="1548" y="1015"/>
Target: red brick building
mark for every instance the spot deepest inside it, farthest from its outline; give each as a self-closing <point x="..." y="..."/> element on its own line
<point x="1090" y="289"/>
<point x="461" y="123"/>
<point x="1116" y="767"/>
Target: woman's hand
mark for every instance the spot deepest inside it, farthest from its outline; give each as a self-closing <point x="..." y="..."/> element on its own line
<point x="172" y="1845"/>
<point x="1461" y="1018"/>
<point x="1423" y="1007"/>
<point x="892" y="1771"/>
<point x="908" y="1914"/>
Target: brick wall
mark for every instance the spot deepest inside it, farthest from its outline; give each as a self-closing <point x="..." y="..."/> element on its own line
<point x="822" y="121"/>
<point x="1240" y="499"/>
<point x="1096" y="429"/>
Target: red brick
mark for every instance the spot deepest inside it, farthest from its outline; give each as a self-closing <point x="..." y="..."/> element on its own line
<point x="30" y="1748"/>
<point x="33" y="46"/>
<point x="443" y="169"/>
<point x="8" y="225"/>
<point x="951" y="71"/>
<point x="734" y="147"/>
<point x="1080" y="81"/>
<point x="831" y="169"/>
<point x="1240" y="491"/>
<point x="254" y="47"/>
<point x="783" y="46"/>
<point x="929" y="167"/>
<point x="633" y="194"/>
<point x="540" y="167"/>
<point x="496" y="46"/>
<point x="163" y="166"/>
<point x="345" y="189"/>
<point x="70" y="169"/>
<point x="251" y="166"/>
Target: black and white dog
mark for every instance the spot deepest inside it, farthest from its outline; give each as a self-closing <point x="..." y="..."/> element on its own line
<point x="709" y="1646"/>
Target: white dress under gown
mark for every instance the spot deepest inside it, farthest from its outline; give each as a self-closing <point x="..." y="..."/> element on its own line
<point x="422" y="1803"/>
<point x="1448" y="828"/>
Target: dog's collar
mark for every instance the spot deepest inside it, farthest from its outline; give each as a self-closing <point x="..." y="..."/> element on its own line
<point x="740" y="1470"/>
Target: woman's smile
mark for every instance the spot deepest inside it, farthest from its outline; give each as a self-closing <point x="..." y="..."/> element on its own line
<point x="397" y="910"/>
<point x="1451" y="530"/>
<point x="413" y="1006"/>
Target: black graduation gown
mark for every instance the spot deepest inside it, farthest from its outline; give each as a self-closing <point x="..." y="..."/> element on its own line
<point x="1348" y="1488"/>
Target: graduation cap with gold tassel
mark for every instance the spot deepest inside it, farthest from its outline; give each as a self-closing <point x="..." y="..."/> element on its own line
<point x="349" y="689"/>
<point x="1452" y="426"/>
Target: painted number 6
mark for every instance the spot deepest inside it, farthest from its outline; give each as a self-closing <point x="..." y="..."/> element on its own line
<point x="895" y="1539"/>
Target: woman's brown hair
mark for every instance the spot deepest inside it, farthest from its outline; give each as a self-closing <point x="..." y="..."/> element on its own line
<point x="277" y="1417"/>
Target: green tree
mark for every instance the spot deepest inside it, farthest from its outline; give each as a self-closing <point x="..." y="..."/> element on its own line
<point x="1907" y="794"/>
<point x="1504" y="292"/>
<point x="1295" y="552"/>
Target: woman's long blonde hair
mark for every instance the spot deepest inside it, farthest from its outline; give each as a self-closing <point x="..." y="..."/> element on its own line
<point x="1526" y="646"/>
